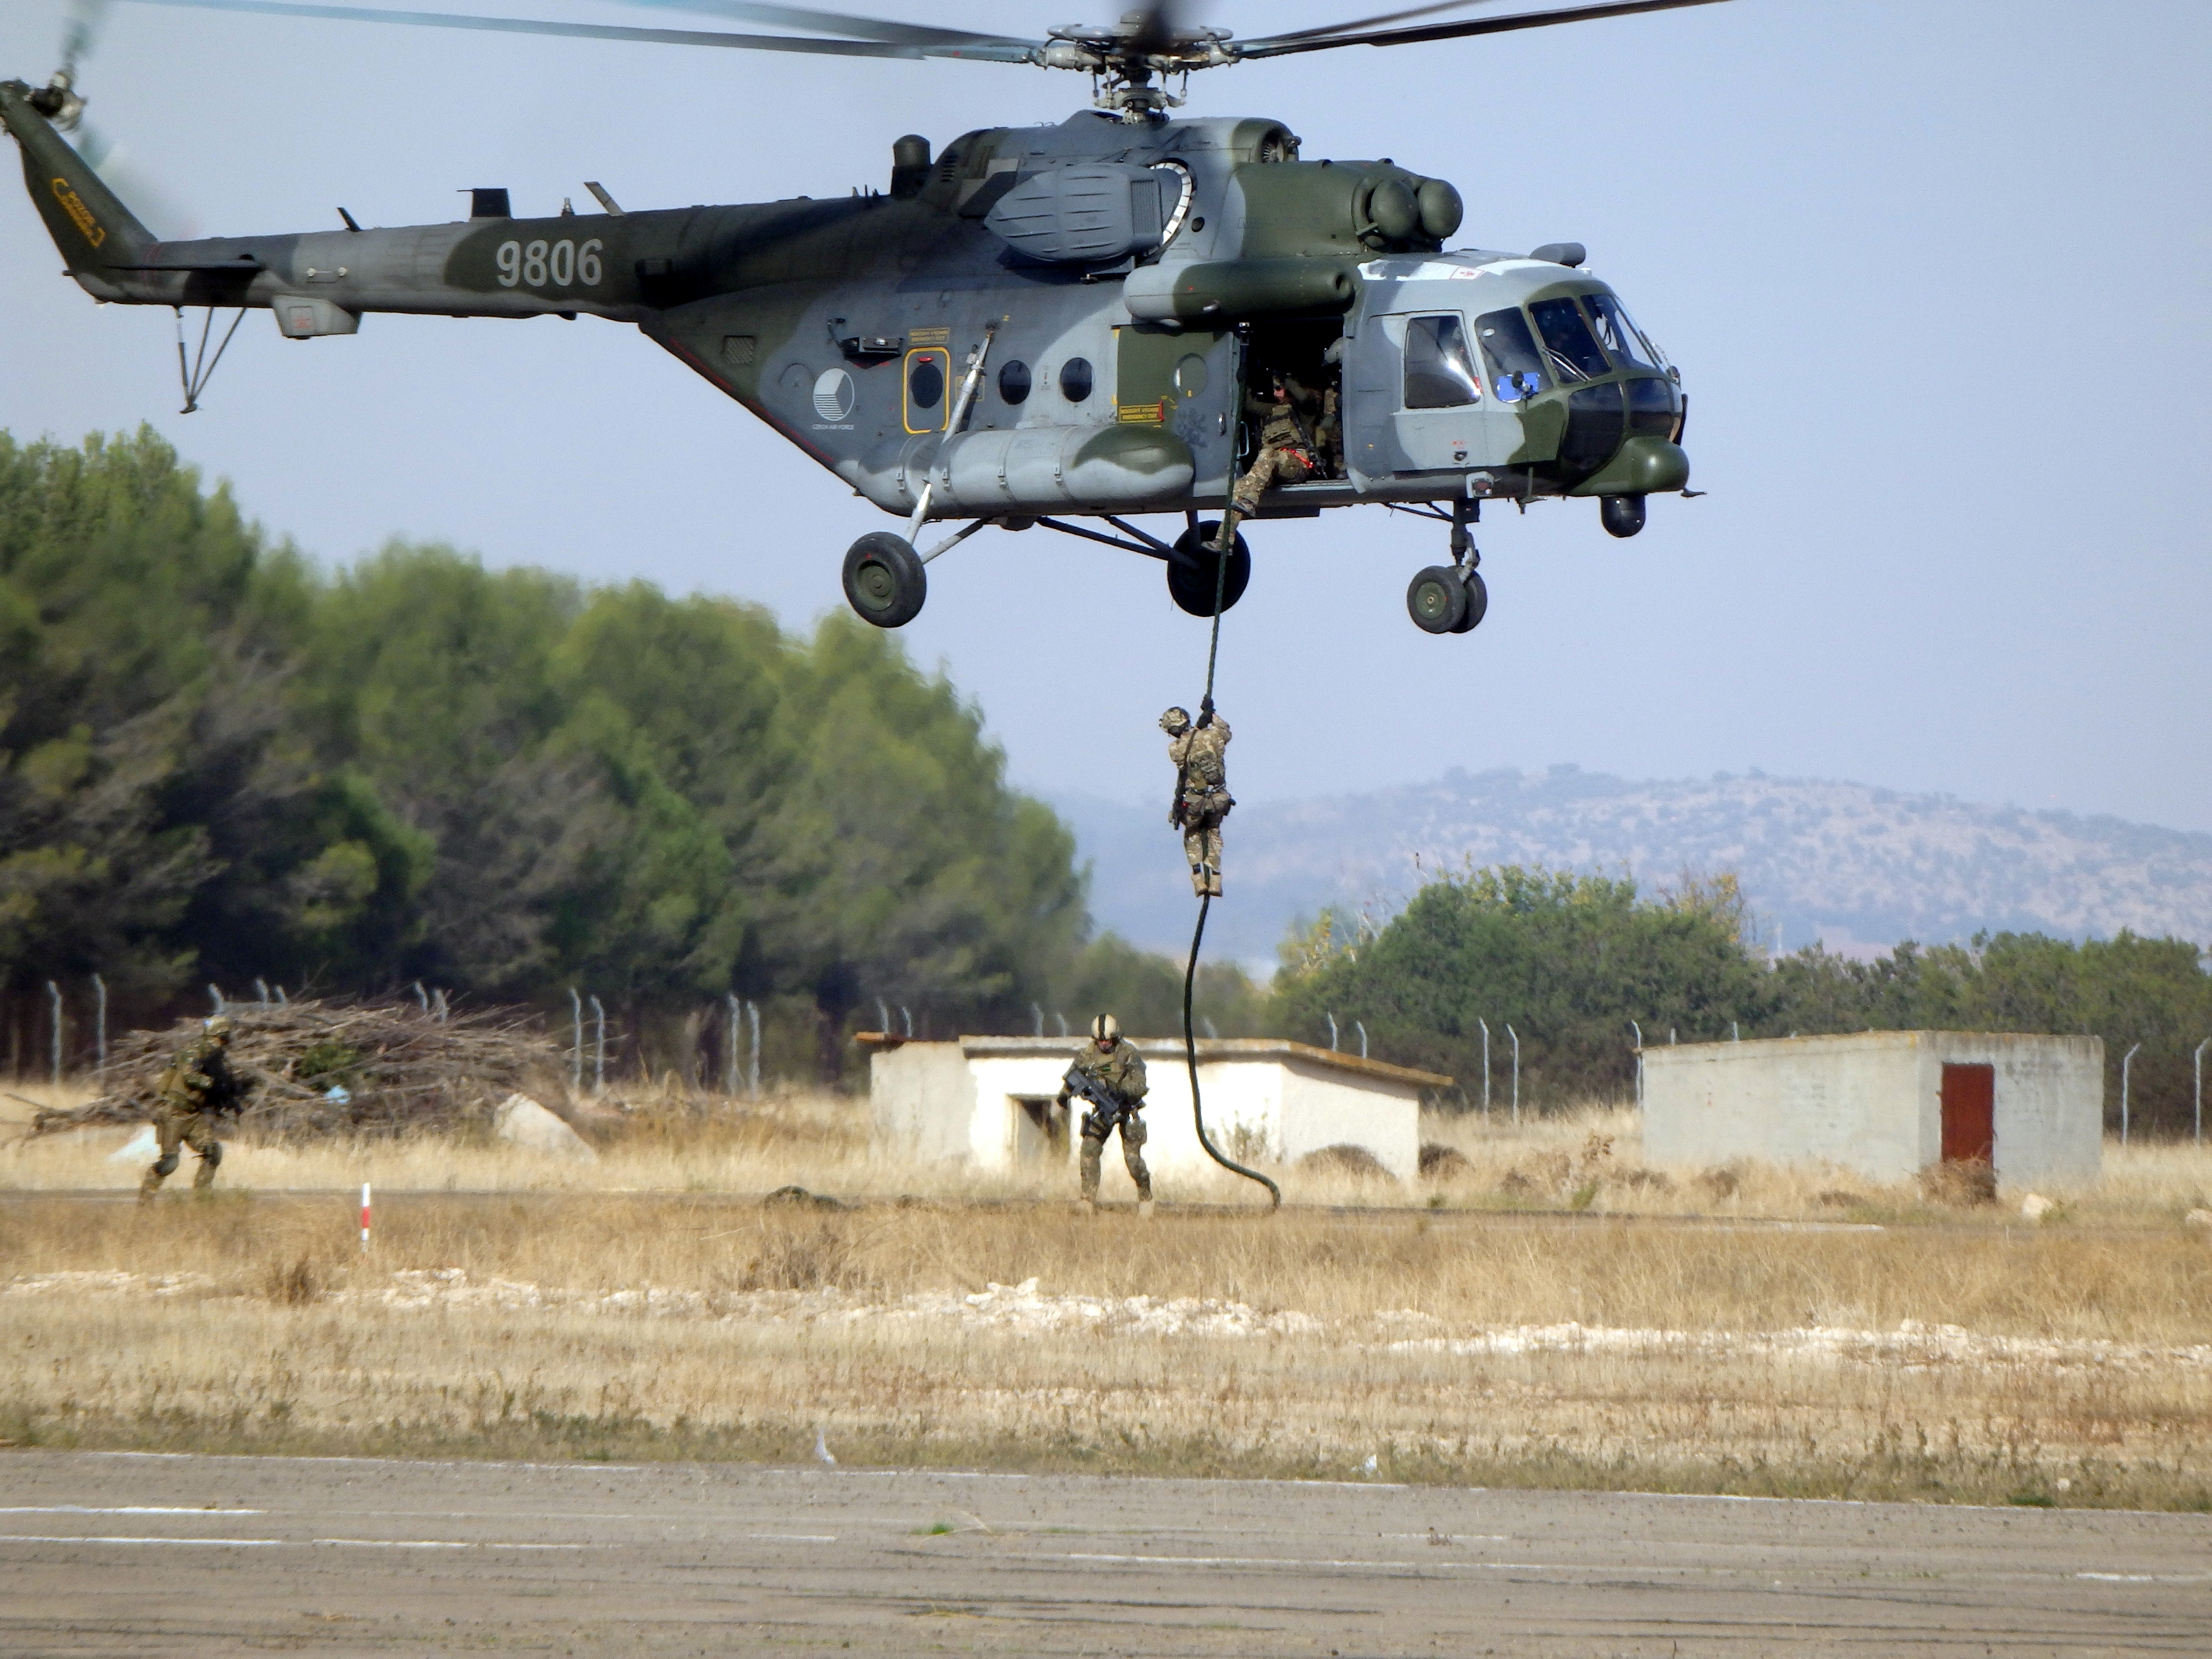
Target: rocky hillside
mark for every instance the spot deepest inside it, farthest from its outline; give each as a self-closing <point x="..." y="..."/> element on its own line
<point x="1858" y="866"/>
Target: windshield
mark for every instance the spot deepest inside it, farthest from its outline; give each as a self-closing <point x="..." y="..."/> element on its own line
<point x="1508" y="351"/>
<point x="1439" y="369"/>
<point x="1567" y="339"/>
<point x="1622" y="339"/>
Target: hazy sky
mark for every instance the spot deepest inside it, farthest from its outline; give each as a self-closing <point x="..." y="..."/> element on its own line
<point x="1934" y="274"/>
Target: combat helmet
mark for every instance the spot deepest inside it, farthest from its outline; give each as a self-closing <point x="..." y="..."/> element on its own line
<point x="1105" y="1029"/>
<point x="220" y="1026"/>
<point x="1175" y="722"/>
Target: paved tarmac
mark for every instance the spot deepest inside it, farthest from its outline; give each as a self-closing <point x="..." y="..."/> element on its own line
<point x="138" y="1554"/>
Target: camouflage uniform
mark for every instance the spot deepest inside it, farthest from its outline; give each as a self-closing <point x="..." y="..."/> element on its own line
<point x="1286" y="451"/>
<point x="1122" y="1069"/>
<point x="1202" y="800"/>
<point x="198" y="1088"/>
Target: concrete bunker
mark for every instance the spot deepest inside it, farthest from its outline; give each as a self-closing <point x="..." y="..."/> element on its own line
<point x="1887" y="1104"/>
<point x="989" y="1102"/>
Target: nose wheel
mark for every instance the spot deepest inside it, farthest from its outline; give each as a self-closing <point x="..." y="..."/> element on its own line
<point x="1451" y="598"/>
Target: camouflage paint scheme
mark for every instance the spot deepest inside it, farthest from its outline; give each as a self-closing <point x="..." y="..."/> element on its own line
<point x="813" y="315"/>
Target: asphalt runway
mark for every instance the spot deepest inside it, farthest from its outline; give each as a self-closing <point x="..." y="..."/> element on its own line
<point x="140" y="1554"/>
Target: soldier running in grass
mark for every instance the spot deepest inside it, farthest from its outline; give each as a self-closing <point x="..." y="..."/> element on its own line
<point x="1110" y="1073"/>
<point x="1201" y="797"/>
<point x="198" y="1090"/>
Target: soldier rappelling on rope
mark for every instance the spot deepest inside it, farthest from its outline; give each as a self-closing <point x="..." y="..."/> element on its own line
<point x="196" y="1093"/>
<point x="1201" y="796"/>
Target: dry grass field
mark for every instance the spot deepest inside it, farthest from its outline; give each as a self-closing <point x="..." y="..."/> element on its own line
<point x="1553" y="1314"/>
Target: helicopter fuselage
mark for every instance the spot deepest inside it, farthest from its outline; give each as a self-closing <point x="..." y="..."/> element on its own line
<point x="1066" y="319"/>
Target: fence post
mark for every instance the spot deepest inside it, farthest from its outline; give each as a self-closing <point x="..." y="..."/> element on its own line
<point x="100" y="1021"/>
<point x="1331" y="1018"/>
<point x="214" y="996"/>
<point x="2127" y="1061"/>
<point x="1360" y="1026"/>
<point x="736" y="1023"/>
<point x="1515" y="1035"/>
<point x="1485" y="1023"/>
<point x="54" y="995"/>
<point x="599" y="1048"/>
<point x="2200" y="1048"/>
<point x="575" y="1042"/>
<point x="752" y="1071"/>
<point x="1638" y="1029"/>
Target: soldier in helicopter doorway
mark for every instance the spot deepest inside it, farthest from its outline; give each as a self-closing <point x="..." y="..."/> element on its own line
<point x="1201" y="797"/>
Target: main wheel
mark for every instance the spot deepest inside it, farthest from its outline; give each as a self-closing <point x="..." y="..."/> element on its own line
<point x="1194" y="566"/>
<point x="1436" y="599"/>
<point x="884" y="581"/>
<point x="1478" y="604"/>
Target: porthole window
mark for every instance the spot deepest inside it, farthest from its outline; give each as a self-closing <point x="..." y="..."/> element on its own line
<point x="1014" y="381"/>
<point x="925" y="380"/>
<point x="1075" y="380"/>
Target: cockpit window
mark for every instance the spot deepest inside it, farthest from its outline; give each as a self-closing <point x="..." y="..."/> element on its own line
<point x="1623" y="340"/>
<point x="1439" y="368"/>
<point x="1568" y="341"/>
<point x="1508" y="351"/>
<point x="1512" y="357"/>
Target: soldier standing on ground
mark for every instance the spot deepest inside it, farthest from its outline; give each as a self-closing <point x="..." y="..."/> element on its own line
<point x="1287" y="452"/>
<point x="198" y="1089"/>
<point x="1112" y="1061"/>
<point x="1202" y="798"/>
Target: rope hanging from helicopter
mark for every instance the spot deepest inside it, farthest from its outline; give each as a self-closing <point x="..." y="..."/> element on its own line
<point x="194" y="376"/>
<point x="1198" y="933"/>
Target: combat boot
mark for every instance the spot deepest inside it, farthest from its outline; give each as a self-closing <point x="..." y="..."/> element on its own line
<point x="1225" y="542"/>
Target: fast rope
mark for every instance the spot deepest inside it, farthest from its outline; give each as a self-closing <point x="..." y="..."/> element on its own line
<point x="1206" y="903"/>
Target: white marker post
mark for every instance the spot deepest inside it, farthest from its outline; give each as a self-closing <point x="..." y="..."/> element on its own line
<point x="364" y="1217"/>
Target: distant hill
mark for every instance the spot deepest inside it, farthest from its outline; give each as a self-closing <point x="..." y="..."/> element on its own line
<point x="1859" y="866"/>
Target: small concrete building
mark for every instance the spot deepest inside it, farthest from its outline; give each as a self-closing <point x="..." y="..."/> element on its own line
<point x="990" y="1102"/>
<point x="1884" y="1104"/>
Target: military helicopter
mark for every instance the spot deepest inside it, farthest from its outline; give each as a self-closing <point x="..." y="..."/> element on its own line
<point x="1035" y="326"/>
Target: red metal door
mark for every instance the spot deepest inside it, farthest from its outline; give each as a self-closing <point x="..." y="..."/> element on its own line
<point x="1970" y="1094"/>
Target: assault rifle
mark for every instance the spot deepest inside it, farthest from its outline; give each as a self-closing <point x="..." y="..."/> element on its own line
<point x="1106" y="1107"/>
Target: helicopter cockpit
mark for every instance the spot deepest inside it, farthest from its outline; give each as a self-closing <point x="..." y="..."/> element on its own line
<point x="1479" y="375"/>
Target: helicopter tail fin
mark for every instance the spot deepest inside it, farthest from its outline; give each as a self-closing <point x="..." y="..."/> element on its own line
<point x="98" y="236"/>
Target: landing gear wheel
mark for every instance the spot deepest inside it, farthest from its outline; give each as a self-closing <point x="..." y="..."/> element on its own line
<point x="1193" y="566"/>
<point x="1478" y="603"/>
<point x="1436" y="599"/>
<point x="884" y="581"/>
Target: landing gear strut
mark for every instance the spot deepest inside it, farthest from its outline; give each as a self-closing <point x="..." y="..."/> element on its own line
<point x="1451" y="598"/>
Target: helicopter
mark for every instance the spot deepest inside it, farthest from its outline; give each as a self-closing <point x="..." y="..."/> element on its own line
<point x="1062" y="327"/>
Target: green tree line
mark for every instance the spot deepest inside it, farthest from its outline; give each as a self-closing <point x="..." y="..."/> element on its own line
<point x="1571" y="965"/>
<point x="221" y="764"/>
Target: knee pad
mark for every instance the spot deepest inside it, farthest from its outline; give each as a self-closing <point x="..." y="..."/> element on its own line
<point x="213" y="1156"/>
<point x="166" y="1165"/>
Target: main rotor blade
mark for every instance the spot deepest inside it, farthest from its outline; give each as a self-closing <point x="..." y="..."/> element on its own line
<point x="834" y="22"/>
<point x="1329" y="29"/>
<point x="1282" y="47"/>
<point x="444" y="20"/>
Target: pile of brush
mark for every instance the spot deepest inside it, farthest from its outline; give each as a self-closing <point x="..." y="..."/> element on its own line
<point x="340" y="1068"/>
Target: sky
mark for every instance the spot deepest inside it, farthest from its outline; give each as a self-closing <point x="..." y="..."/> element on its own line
<point x="1934" y="276"/>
